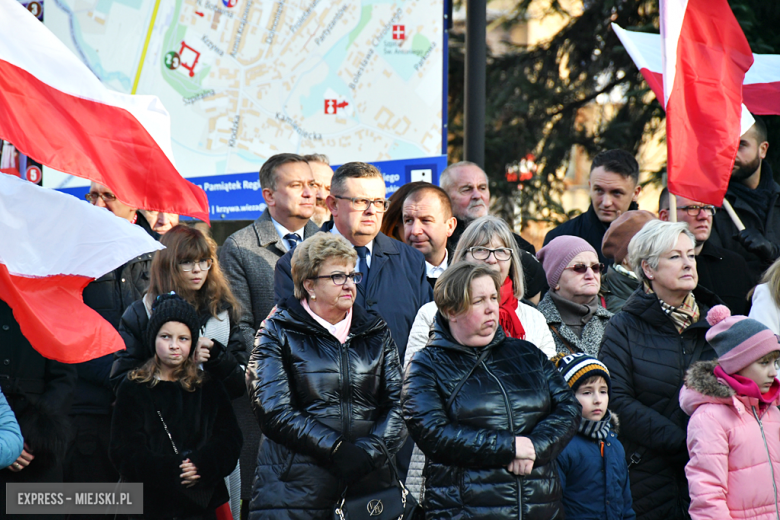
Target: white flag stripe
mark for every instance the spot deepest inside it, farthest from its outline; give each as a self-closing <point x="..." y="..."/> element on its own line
<point x="45" y="232"/>
<point x="672" y="14"/>
<point x="44" y="56"/>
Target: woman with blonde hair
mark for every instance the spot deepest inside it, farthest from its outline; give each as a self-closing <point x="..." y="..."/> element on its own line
<point x="766" y="299"/>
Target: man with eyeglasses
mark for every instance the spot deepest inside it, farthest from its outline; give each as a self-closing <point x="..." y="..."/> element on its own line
<point x="755" y="196"/>
<point x="723" y="272"/>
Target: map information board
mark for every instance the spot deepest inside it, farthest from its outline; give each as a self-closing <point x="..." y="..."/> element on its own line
<point x="246" y="79"/>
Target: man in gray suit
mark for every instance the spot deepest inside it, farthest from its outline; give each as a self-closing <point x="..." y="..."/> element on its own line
<point x="248" y="258"/>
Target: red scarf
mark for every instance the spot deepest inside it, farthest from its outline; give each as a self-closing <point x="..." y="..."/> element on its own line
<point x="747" y="387"/>
<point x="507" y="311"/>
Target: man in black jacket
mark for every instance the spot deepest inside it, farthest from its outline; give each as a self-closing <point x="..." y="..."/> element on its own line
<point x="614" y="188"/>
<point x="754" y="195"/>
<point x="723" y="272"/>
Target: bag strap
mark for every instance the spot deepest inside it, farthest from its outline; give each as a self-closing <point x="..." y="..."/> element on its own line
<point x="460" y="384"/>
<point x="563" y="340"/>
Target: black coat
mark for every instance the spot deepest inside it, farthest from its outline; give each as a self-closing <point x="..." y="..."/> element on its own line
<point x="724" y="231"/>
<point x="647" y="359"/>
<point x="225" y="364"/>
<point x="726" y="274"/>
<point x="200" y="422"/>
<point x="309" y="392"/>
<point x="515" y="391"/>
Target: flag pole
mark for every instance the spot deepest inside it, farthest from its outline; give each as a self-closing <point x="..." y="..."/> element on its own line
<point x="733" y="214"/>
<point x="672" y="207"/>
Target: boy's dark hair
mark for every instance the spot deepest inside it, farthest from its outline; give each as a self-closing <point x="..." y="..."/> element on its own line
<point x="617" y="161"/>
<point x="593" y="379"/>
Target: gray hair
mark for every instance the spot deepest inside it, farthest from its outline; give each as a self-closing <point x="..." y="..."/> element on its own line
<point x="317" y="157"/>
<point x="444" y="179"/>
<point x="308" y="257"/>
<point x="652" y="241"/>
<point x="480" y="233"/>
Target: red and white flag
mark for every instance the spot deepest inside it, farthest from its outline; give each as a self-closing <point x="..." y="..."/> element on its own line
<point x="54" y="109"/>
<point x="760" y="90"/>
<point x="52" y="246"/>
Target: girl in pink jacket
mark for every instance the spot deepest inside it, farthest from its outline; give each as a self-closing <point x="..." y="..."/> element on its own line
<point x="734" y="431"/>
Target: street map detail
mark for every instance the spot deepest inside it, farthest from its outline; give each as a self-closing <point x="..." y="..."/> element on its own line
<point x="246" y="79"/>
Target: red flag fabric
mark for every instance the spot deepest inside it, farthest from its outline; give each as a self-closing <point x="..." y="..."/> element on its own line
<point x="56" y="111"/>
<point x="706" y="57"/>
<point x="52" y="246"/>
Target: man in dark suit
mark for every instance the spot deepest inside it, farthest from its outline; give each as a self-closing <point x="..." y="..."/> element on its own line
<point x="394" y="279"/>
<point x="428" y="223"/>
<point x="248" y="258"/>
<point x="614" y="188"/>
<point x="721" y="271"/>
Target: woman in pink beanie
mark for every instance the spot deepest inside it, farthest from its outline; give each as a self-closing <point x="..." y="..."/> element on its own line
<point x="734" y="431"/>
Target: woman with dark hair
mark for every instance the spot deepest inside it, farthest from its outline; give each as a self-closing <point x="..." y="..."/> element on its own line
<point x="491" y="413"/>
<point x="173" y="427"/>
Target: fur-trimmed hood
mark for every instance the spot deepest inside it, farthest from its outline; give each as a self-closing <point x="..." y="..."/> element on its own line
<point x="614" y="422"/>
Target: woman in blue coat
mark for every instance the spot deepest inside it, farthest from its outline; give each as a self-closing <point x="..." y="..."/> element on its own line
<point x="11" y="442"/>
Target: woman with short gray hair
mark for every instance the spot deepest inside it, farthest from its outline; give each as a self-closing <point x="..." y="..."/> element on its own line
<point x="648" y="347"/>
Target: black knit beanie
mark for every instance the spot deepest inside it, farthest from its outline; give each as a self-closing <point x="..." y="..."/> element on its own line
<point x="170" y="307"/>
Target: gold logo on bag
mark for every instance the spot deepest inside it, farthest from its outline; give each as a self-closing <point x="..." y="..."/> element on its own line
<point x="375" y="507"/>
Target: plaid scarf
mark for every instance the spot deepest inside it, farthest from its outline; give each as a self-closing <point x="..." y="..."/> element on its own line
<point x="683" y="316"/>
<point x="596" y="430"/>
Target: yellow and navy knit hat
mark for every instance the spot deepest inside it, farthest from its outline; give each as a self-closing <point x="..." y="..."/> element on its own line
<point x="576" y="368"/>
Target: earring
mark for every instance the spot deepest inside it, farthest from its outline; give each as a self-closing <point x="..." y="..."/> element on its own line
<point x="649" y="277"/>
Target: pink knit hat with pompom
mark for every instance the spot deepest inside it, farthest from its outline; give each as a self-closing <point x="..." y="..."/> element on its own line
<point x="738" y="340"/>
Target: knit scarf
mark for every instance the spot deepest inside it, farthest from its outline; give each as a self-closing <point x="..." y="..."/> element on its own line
<point x="747" y="387"/>
<point x="596" y="430"/>
<point x="507" y="311"/>
<point x="683" y="316"/>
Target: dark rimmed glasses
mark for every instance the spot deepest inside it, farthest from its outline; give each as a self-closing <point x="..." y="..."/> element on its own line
<point x="341" y="278"/>
<point x="502" y="254"/>
<point x="583" y="268"/>
<point x="695" y="210"/>
<point x="188" y="266"/>
<point x="361" y="204"/>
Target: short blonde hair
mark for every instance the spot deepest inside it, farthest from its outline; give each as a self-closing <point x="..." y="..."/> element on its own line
<point x="652" y="241"/>
<point x="312" y="253"/>
<point x="452" y="292"/>
<point x="480" y="233"/>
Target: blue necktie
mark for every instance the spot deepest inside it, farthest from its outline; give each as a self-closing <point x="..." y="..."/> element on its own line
<point x="362" y="251"/>
<point x="293" y="239"/>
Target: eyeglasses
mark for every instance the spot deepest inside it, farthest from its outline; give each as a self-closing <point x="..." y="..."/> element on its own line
<point x="502" y="254"/>
<point x="362" y="204"/>
<point x="204" y="265"/>
<point x="583" y="268"/>
<point x="694" y="210"/>
<point x="341" y="278"/>
<point x="93" y="197"/>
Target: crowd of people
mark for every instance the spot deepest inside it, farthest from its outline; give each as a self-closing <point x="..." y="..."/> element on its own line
<point x="345" y="347"/>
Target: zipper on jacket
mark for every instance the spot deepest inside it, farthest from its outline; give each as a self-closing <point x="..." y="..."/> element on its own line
<point x="345" y="399"/>
<point x="771" y="466"/>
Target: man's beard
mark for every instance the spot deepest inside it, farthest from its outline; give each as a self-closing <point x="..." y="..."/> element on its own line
<point x="746" y="170"/>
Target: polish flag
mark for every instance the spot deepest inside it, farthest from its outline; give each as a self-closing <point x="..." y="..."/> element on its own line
<point x="56" y="111"/>
<point x="760" y="90"/>
<point x="52" y="246"/>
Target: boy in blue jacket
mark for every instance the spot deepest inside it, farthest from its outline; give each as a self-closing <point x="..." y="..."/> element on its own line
<point x="592" y="468"/>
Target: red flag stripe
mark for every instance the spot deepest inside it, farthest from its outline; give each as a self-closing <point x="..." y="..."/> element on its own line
<point x="52" y="307"/>
<point x="96" y="141"/>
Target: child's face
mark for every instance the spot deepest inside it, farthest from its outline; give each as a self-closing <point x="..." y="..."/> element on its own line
<point x="173" y="344"/>
<point x="763" y="371"/>
<point x="594" y="398"/>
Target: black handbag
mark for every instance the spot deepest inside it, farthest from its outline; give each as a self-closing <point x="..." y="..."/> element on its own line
<point x="392" y="503"/>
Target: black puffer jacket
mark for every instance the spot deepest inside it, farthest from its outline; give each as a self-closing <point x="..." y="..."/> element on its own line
<point x="309" y="392"/>
<point x="515" y="391"/>
<point x="647" y="359"/>
<point x="226" y="363"/>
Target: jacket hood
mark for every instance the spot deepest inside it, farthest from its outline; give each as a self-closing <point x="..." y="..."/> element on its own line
<point x="702" y="387"/>
<point x="441" y="337"/>
<point x="292" y="315"/>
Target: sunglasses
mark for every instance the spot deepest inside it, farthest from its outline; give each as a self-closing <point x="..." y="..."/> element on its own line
<point x="583" y="268"/>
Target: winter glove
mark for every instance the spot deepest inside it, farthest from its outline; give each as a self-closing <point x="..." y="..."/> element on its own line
<point x="350" y="462"/>
<point x="758" y="244"/>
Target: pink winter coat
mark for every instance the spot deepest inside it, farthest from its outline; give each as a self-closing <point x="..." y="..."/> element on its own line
<point x="732" y="464"/>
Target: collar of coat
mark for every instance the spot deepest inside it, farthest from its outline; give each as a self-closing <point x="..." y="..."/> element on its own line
<point x="291" y="314"/>
<point x="383" y="245"/>
<point x="646" y="307"/>
<point x="441" y="337"/>
<point x="267" y="235"/>
<point x="550" y="311"/>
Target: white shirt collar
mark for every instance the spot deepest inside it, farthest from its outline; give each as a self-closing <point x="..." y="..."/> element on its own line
<point x="435" y="271"/>
<point x="282" y="231"/>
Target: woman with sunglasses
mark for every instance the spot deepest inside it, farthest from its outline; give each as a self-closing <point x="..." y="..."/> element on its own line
<point x="572" y="307"/>
<point x="325" y="383"/>
<point x="647" y="347"/>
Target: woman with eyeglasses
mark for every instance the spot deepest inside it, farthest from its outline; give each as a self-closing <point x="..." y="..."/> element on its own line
<point x="572" y="307"/>
<point x="188" y="266"/>
<point x="487" y="240"/>
<point x="324" y="379"/>
<point x="647" y="347"/>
